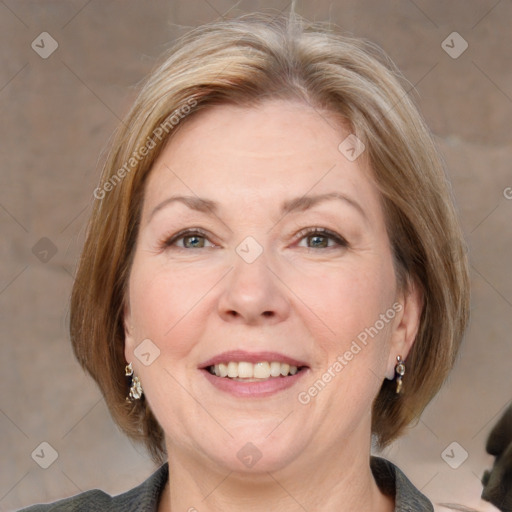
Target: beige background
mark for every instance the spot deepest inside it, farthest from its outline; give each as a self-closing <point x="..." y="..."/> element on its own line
<point x="57" y="115"/>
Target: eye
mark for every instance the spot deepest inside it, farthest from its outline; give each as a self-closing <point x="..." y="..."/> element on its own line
<point x="190" y="239"/>
<point x="320" y="238"/>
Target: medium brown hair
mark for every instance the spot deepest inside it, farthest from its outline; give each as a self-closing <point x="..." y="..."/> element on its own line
<point x="245" y="61"/>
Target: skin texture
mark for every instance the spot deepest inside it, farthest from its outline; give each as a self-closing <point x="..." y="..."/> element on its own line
<point x="304" y="296"/>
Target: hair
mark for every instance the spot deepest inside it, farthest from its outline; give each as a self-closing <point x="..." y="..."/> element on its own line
<point x="246" y="61"/>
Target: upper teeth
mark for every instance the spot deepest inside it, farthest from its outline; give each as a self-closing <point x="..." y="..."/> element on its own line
<point x="244" y="370"/>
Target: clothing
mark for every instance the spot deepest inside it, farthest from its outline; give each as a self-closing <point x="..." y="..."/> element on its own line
<point x="145" y="497"/>
<point x="392" y="481"/>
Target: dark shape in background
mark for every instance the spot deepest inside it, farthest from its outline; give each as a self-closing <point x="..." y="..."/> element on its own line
<point x="498" y="481"/>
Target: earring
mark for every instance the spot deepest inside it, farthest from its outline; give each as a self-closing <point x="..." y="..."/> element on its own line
<point x="136" y="387"/>
<point x="400" y="371"/>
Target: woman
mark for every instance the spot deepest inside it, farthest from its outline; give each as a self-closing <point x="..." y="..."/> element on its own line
<point x="273" y="275"/>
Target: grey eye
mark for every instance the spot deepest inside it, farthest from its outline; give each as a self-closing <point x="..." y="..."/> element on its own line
<point x="193" y="241"/>
<point x="318" y="241"/>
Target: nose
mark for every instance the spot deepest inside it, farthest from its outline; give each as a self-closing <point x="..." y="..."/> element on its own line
<point x="253" y="294"/>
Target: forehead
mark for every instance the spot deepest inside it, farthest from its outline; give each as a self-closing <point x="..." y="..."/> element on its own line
<point x="275" y="150"/>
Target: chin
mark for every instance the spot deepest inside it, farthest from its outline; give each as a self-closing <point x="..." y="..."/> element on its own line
<point x="254" y="452"/>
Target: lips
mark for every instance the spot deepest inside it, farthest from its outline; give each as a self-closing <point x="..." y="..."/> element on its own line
<point x="253" y="374"/>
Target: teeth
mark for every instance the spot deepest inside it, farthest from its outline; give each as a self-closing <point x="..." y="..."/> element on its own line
<point x="261" y="370"/>
<point x="221" y="370"/>
<point x="232" y="370"/>
<point x="245" y="370"/>
<point x="275" y="369"/>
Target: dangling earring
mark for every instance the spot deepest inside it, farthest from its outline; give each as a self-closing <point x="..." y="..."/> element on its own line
<point x="400" y="371"/>
<point x="135" y="388"/>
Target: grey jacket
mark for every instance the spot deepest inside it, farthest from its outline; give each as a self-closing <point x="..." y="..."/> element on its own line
<point x="145" y="497"/>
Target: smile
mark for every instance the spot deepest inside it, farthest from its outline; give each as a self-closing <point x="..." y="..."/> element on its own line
<point x="244" y="370"/>
<point x="253" y="375"/>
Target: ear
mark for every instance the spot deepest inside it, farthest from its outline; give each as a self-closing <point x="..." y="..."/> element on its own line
<point x="406" y="325"/>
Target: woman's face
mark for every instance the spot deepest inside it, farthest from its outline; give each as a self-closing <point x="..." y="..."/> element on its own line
<point x="263" y="243"/>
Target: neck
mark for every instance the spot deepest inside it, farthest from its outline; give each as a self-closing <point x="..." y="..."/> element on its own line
<point x="340" y="479"/>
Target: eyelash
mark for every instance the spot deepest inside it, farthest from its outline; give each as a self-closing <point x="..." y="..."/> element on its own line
<point x="168" y="242"/>
<point x="330" y="235"/>
<point x="339" y="240"/>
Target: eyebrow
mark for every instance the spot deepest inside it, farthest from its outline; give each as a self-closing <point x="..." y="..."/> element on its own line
<point x="292" y="205"/>
<point x="305" y="202"/>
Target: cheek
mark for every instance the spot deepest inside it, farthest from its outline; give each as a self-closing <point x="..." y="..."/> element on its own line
<point x="347" y="299"/>
<point x="355" y="302"/>
<point x="166" y="305"/>
<point x="358" y="309"/>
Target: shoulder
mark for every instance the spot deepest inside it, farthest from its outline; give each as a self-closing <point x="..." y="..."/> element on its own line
<point x="89" y="500"/>
<point x="143" y="497"/>
<point x="393" y="482"/>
